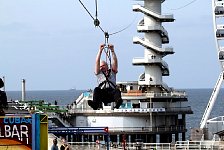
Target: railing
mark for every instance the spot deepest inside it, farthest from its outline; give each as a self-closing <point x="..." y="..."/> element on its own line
<point x="115" y="146"/>
<point x="37" y="106"/>
<point x="150" y="146"/>
<point x="158" y="95"/>
<point x="150" y="11"/>
<point x="180" y="145"/>
<point x="147" y="129"/>
<point x="179" y="109"/>
<point x="147" y="95"/>
<point x="131" y="110"/>
<point x="79" y="98"/>
<point x="198" y="145"/>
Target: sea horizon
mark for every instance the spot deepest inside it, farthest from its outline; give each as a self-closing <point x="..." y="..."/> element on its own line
<point x="91" y="88"/>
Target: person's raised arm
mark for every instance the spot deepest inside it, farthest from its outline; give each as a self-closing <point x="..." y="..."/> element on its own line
<point x="115" y="61"/>
<point x="98" y="56"/>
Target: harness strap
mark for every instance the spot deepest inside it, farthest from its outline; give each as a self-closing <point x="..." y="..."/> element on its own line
<point x="107" y="81"/>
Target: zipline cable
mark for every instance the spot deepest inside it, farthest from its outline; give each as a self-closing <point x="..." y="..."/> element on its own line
<point x="124" y="27"/>
<point x="86" y="9"/>
<point x="183" y="5"/>
<point x="96" y="8"/>
<point x="96" y="21"/>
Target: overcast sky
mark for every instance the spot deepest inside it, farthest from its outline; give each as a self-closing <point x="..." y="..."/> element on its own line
<point x="53" y="43"/>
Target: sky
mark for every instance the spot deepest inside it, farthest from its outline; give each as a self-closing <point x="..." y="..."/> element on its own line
<point x="52" y="44"/>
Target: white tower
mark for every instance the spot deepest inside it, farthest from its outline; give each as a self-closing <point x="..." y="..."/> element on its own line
<point x="151" y="82"/>
<point x="155" y="36"/>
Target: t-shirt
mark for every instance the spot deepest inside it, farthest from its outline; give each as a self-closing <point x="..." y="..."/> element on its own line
<point x="101" y="78"/>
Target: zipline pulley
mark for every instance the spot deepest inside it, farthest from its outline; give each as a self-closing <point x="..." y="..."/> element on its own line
<point x="96" y="22"/>
<point x="106" y="37"/>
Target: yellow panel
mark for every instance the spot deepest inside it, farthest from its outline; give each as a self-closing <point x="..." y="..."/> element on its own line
<point x="43" y="133"/>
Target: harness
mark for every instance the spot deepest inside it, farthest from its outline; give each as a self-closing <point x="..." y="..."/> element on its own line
<point x="107" y="51"/>
<point x="103" y="84"/>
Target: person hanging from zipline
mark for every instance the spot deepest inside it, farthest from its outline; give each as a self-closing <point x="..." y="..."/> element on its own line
<point x="106" y="91"/>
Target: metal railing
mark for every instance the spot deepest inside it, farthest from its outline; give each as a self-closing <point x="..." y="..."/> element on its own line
<point x="179" y="145"/>
<point x="115" y="146"/>
<point x="148" y="95"/>
<point x="128" y="110"/>
<point x="198" y="145"/>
